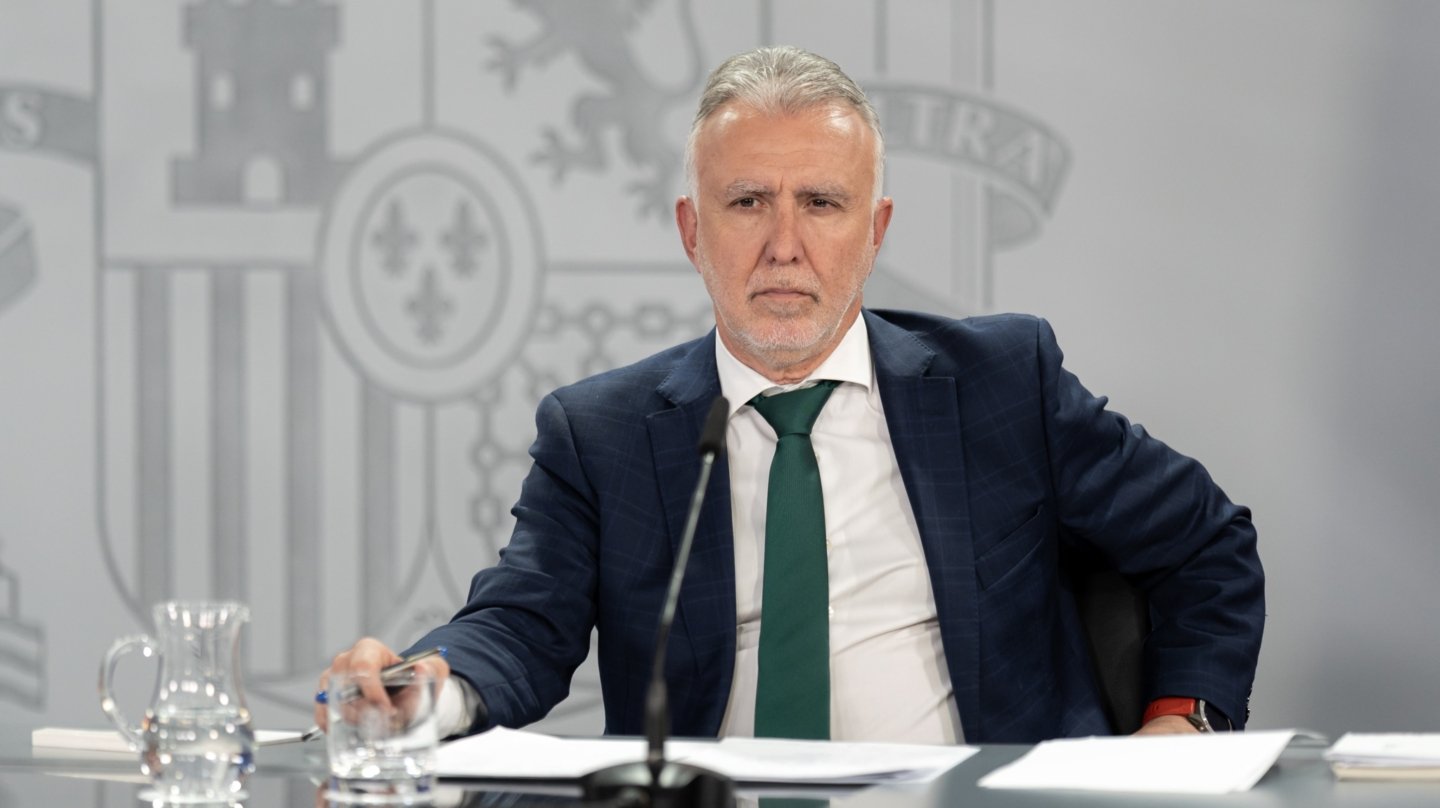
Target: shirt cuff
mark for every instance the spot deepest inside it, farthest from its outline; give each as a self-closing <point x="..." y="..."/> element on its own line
<point x="455" y="707"/>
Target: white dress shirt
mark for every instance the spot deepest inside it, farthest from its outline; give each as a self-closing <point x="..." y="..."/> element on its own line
<point x="888" y="677"/>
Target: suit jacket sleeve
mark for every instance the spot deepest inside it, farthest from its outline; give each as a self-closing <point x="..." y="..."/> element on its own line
<point x="1163" y="522"/>
<point x="526" y="625"/>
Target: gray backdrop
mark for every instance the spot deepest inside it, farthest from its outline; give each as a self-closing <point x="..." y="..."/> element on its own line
<point x="281" y="283"/>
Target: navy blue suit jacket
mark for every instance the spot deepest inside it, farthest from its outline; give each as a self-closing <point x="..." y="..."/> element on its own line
<point x="1008" y="463"/>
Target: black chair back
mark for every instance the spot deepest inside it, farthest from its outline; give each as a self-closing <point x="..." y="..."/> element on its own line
<point x="1117" y="620"/>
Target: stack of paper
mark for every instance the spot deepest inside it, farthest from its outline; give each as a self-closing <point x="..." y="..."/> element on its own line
<point x="1386" y="756"/>
<point x="108" y="741"/>
<point x="516" y="754"/>
<point x="1212" y="763"/>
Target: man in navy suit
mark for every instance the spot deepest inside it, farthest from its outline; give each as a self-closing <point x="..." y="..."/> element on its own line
<point x="960" y="465"/>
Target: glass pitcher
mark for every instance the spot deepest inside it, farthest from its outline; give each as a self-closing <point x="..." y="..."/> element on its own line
<point x="195" y="742"/>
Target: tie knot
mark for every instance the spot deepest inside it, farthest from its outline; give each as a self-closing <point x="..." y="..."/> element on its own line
<point x="793" y="413"/>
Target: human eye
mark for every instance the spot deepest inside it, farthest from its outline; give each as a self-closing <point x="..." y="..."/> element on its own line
<point x="746" y="202"/>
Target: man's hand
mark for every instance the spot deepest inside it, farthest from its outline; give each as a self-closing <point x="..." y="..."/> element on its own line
<point x="1167" y="725"/>
<point x="369" y="655"/>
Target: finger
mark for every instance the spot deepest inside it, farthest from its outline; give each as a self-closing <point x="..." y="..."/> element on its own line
<point x="436" y="666"/>
<point x="322" y="716"/>
<point x="365" y="658"/>
<point x="421" y="692"/>
<point x="369" y="654"/>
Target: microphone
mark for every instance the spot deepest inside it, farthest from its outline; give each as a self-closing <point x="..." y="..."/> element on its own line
<point x="656" y="783"/>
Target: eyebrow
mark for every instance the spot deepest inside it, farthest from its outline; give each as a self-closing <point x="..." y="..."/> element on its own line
<point x="753" y="188"/>
<point x="747" y="188"/>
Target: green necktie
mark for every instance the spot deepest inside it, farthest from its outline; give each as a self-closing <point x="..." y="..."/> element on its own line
<point x="792" y="697"/>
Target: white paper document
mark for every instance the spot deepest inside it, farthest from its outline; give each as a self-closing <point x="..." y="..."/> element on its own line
<point x="110" y="741"/>
<point x="1386" y="749"/>
<point x="768" y="760"/>
<point x="516" y="754"/>
<point x="1386" y="756"/>
<point x="1209" y="763"/>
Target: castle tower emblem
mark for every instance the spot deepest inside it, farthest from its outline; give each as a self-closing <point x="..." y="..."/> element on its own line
<point x="260" y="111"/>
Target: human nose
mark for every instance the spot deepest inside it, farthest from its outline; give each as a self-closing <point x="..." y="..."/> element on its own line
<point x="785" y="245"/>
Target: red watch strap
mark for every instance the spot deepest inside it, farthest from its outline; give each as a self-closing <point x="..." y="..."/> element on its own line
<point x="1170" y="705"/>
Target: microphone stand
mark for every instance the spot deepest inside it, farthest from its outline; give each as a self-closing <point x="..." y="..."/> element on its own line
<point x="655" y="782"/>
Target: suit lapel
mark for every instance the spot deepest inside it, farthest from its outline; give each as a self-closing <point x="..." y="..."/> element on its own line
<point x="923" y="415"/>
<point x="705" y="618"/>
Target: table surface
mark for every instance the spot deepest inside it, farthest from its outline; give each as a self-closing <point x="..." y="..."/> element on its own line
<point x="291" y="776"/>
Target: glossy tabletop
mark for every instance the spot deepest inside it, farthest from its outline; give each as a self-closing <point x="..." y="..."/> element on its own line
<point x="291" y="776"/>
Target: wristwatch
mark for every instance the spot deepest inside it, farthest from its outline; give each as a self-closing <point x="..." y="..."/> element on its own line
<point x="1200" y="715"/>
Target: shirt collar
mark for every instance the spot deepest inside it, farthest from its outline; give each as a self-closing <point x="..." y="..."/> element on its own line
<point x="849" y="362"/>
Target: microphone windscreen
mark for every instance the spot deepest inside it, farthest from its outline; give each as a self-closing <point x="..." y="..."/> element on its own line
<point x="712" y="437"/>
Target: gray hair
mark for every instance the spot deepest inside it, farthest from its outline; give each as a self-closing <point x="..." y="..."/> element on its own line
<point x="781" y="80"/>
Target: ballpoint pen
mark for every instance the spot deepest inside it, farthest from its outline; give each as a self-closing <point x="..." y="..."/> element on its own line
<point x="392" y="675"/>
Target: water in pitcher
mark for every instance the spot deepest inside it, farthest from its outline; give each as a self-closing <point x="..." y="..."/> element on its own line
<point x="197" y="755"/>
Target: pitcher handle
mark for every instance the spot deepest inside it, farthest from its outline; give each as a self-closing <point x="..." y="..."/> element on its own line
<point x="122" y="646"/>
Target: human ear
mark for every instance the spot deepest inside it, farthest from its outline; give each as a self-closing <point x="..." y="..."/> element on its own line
<point x="687" y="222"/>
